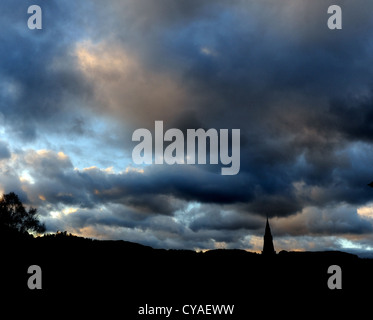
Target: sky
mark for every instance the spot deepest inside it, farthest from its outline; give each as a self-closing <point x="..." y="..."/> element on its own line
<point x="72" y="94"/>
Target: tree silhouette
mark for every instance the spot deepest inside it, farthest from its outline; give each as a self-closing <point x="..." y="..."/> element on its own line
<point x="15" y="219"/>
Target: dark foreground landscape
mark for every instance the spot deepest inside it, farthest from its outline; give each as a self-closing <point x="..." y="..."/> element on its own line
<point x="116" y="278"/>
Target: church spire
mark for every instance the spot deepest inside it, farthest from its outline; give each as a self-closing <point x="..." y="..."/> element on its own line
<point x="268" y="248"/>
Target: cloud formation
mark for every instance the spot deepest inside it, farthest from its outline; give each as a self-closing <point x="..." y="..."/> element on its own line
<point x="72" y="94"/>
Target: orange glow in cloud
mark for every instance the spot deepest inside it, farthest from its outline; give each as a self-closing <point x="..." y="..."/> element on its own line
<point x="366" y="211"/>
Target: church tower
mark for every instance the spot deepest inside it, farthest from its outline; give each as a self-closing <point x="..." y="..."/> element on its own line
<point x="268" y="248"/>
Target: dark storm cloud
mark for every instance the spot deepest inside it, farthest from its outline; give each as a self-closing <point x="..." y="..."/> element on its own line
<point x="276" y="79"/>
<point x="156" y="190"/>
<point x="300" y="94"/>
<point x="36" y="94"/>
<point x="352" y="117"/>
<point x="153" y="191"/>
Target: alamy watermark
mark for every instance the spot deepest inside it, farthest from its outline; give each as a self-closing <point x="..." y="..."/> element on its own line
<point x="34" y="281"/>
<point x="190" y="151"/>
<point x="335" y="280"/>
<point x="35" y="20"/>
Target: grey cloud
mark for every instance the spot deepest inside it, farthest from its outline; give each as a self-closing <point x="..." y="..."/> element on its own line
<point x="4" y="150"/>
<point x="39" y="96"/>
<point x="332" y="221"/>
<point x="216" y="218"/>
<point x="300" y="93"/>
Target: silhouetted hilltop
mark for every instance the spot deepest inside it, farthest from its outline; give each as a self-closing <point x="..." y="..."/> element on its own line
<point x="118" y="273"/>
<point x="65" y="239"/>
